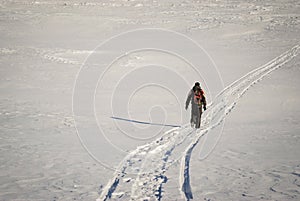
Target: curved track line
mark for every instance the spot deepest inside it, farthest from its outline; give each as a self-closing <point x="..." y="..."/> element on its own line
<point x="228" y="99"/>
<point x="148" y="163"/>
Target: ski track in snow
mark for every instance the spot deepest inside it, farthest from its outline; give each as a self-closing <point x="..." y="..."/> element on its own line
<point x="149" y="163"/>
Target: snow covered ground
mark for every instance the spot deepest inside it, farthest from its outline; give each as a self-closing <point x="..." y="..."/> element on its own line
<point x="252" y="155"/>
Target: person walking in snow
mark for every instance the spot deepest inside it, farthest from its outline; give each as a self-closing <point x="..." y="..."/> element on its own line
<point x="197" y="99"/>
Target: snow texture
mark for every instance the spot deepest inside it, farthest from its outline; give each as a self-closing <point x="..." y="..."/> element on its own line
<point x="150" y="162"/>
<point x="253" y="156"/>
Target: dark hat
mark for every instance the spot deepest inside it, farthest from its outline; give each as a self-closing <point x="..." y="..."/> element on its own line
<point x="197" y="84"/>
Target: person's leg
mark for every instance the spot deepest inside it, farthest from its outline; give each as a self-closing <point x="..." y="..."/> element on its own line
<point x="194" y="116"/>
<point x="199" y="121"/>
<point x="199" y="118"/>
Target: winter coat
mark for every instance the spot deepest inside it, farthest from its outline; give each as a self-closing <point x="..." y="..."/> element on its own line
<point x="197" y="100"/>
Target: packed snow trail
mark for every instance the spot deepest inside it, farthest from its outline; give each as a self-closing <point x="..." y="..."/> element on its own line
<point x="224" y="102"/>
<point x="149" y="163"/>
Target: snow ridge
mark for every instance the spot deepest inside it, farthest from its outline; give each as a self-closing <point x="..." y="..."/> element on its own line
<point x="148" y="163"/>
<point x="152" y="175"/>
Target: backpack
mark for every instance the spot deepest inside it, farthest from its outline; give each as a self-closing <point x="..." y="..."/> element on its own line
<point x="198" y="96"/>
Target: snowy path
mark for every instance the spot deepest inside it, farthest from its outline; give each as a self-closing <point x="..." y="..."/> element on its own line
<point x="148" y="164"/>
<point x="224" y="102"/>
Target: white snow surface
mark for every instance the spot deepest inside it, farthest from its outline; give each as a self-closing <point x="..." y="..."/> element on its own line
<point x="248" y="145"/>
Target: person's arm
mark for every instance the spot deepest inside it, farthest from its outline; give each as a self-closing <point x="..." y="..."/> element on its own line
<point x="188" y="100"/>
<point x="204" y="102"/>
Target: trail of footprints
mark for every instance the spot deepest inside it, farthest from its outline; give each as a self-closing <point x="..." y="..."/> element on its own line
<point x="141" y="174"/>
